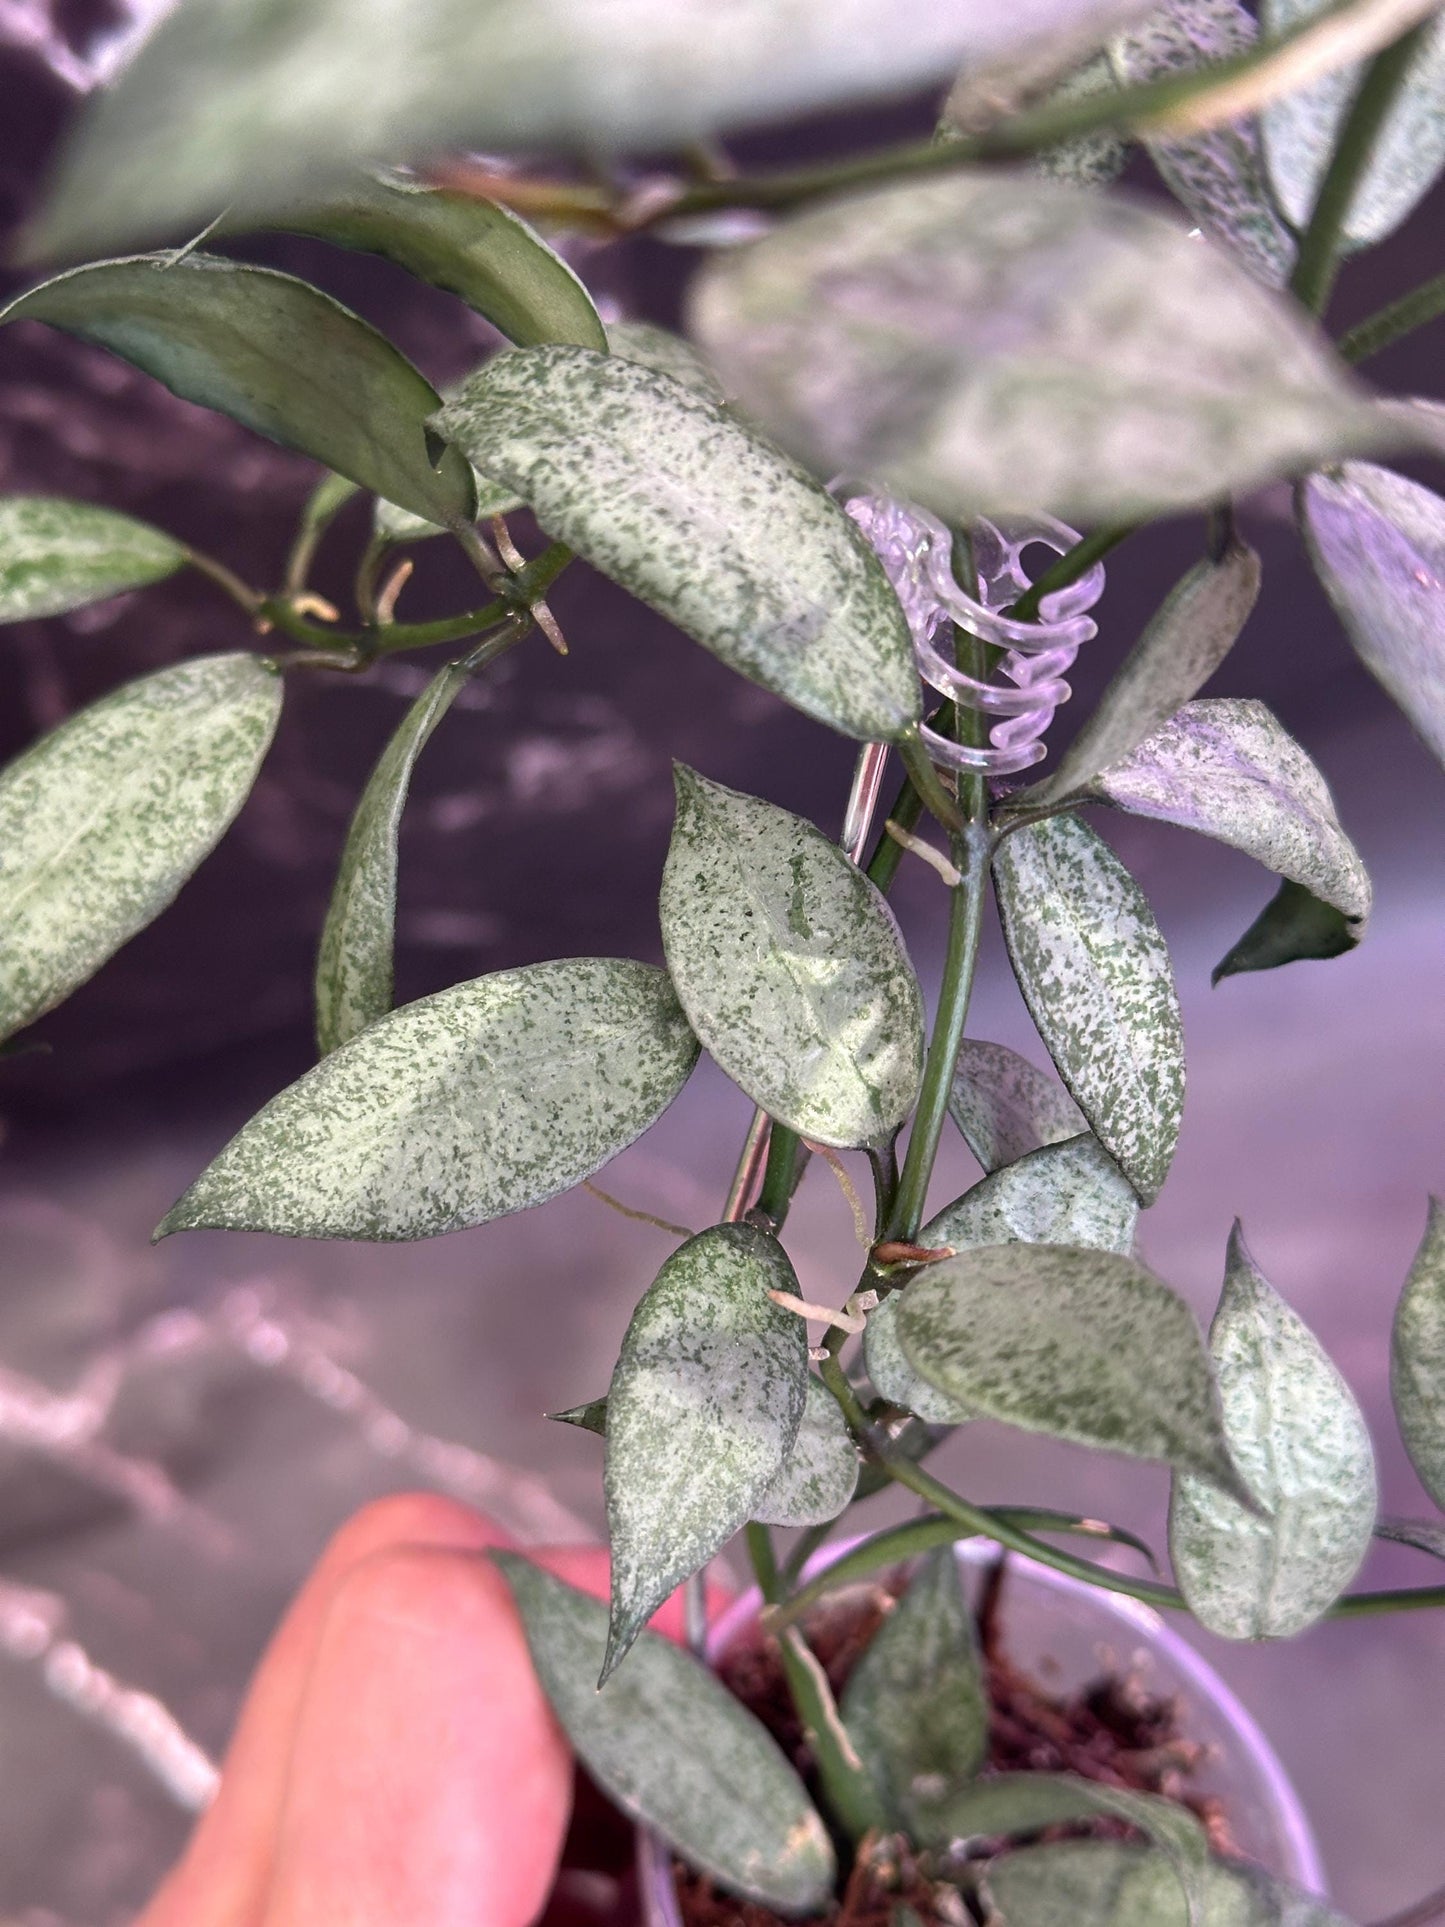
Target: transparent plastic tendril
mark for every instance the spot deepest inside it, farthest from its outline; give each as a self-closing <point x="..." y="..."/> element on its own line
<point x="1027" y="685"/>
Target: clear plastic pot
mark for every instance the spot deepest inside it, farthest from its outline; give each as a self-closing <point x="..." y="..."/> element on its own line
<point x="1066" y="1633"/>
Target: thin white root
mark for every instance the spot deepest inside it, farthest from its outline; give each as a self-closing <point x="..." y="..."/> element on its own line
<point x="843" y="1321"/>
<point x="935" y="859"/>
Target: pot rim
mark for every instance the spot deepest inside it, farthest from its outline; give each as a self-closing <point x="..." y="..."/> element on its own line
<point x="1306" y="1869"/>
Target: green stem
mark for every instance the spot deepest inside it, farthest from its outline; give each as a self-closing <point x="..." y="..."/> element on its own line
<point x="781" y="1174"/>
<point x="847" y="1789"/>
<point x="1135" y="108"/>
<point x="1071" y="565"/>
<point x="887" y="855"/>
<point x="1393" y="322"/>
<point x="1321" y="244"/>
<point x="928" y="783"/>
<point x="241" y="593"/>
<point x="1003" y="1530"/>
<point x="323" y="505"/>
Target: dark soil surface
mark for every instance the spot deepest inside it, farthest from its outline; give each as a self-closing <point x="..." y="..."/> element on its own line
<point x="1113" y="1731"/>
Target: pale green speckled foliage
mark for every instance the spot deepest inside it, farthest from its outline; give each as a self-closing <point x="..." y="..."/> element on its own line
<point x="57" y="555"/>
<point x="790" y="967"/>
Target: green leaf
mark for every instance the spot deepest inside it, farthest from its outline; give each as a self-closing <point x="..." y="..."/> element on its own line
<point x="1100" y="1883"/>
<point x="790" y="967"/>
<point x="102" y="821"/>
<point x="1218" y="175"/>
<point x="894" y="1377"/>
<point x="1301" y="128"/>
<point x="666" y="354"/>
<point x="1095" y="975"/>
<point x="702" y="519"/>
<point x="481" y="1100"/>
<point x="1187" y="638"/>
<point x="995" y="342"/>
<point x="672" y="1747"/>
<point x="1292" y="927"/>
<point x="1417" y="1358"/>
<point x="57" y="555"/>
<point x="591" y="1417"/>
<point x="1302" y="1444"/>
<point x="1012" y="1803"/>
<point x="704" y="1407"/>
<point x="273" y="353"/>
<point x="1005" y="1107"/>
<point x="354" y="976"/>
<point x="1084" y="1345"/>
<point x="1226" y="767"/>
<point x="1425" y="1535"/>
<point x="820" y="1474"/>
<point x="1065" y="1194"/>
<point x="255" y="102"/>
<point x="483" y="253"/>
<point x="1377" y="542"/>
<point x="915" y="1707"/>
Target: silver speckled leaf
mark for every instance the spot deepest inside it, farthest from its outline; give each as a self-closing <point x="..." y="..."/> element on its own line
<point x="1301" y="128"/>
<point x="790" y="966"/>
<point x="1183" y="643"/>
<point x="992" y="341"/>
<point x="102" y="821"/>
<point x="273" y="353"/>
<point x="666" y="354"/>
<point x="1226" y="767"/>
<point x="820" y="1474"/>
<point x="1088" y="160"/>
<point x="1218" y="175"/>
<point x="704" y="1406"/>
<point x="1100" y="1883"/>
<point x="1095" y="974"/>
<point x="1417" y="1358"/>
<point x="675" y="1749"/>
<point x="1005" y="1106"/>
<point x="1084" y="1345"/>
<point x="57" y="555"/>
<point x="1377" y="542"/>
<point x="1065" y="1194"/>
<point x="253" y="102"/>
<point x="1302" y="1444"/>
<point x="483" y="1099"/>
<point x="358" y="940"/>
<point x="915" y="1706"/>
<point x="697" y="515"/>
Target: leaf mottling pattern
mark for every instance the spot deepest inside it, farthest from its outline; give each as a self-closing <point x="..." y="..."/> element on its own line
<point x="484" y="1099"/>
<point x="354" y="965"/>
<point x="704" y="1407"/>
<point x="820" y="1474"/>
<point x="915" y="1706"/>
<point x="1065" y="1194"/>
<point x="1005" y="1106"/>
<point x="1095" y="974"/>
<point x="1302" y="1445"/>
<point x="1417" y="1358"/>
<point x="700" y="517"/>
<point x="276" y="355"/>
<point x="1226" y="767"/>
<point x="57" y="555"/>
<point x="1084" y="1345"/>
<point x="790" y="966"/>
<point x="102" y="821"/>
<point x="993" y="342"/>
<point x="675" y="1749"/>
<point x="1217" y="175"/>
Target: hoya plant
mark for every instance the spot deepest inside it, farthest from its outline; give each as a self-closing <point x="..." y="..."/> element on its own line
<point x="907" y="372"/>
